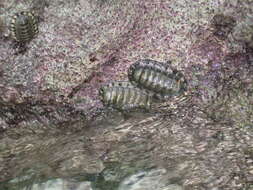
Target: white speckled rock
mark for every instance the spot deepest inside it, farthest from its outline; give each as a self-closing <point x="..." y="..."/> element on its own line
<point x="155" y="179"/>
<point x="61" y="184"/>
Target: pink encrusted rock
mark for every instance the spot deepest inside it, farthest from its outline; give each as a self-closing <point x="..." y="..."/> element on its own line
<point x="82" y="45"/>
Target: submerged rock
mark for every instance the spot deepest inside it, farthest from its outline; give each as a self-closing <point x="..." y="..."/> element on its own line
<point x="148" y="180"/>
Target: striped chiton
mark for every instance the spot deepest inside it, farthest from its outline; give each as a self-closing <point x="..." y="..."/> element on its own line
<point x="123" y="96"/>
<point x="24" y="26"/>
<point x="158" y="78"/>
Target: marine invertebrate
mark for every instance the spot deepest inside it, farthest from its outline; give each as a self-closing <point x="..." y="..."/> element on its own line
<point x="1" y="26"/>
<point x="158" y="78"/>
<point x="24" y="26"/>
<point x="123" y="96"/>
<point x="222" y="25"/>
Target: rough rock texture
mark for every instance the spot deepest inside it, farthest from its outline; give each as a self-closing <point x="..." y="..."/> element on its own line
<point x="48" y="95"/>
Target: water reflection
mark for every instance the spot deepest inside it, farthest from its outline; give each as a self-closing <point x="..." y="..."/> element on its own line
<point x="179" y="150"/>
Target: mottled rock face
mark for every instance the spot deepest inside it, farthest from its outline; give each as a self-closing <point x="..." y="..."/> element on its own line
<point x="48" y="95"/>
<point x="70" y="59"/>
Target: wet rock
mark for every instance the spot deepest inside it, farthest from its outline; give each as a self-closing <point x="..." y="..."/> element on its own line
<point x="154" y="179"/>
<point x="56" y="184"/>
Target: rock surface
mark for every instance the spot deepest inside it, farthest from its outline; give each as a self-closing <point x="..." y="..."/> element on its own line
<point x="48" y="94"/>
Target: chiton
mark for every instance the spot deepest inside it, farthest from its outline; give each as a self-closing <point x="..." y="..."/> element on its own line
<point x="222" y="25"/>
<point x="24" y="26"/>
<point x="124" y="96"/>
<point x="158" y="78"/>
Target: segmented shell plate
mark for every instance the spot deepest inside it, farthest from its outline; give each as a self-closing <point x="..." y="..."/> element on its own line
<point x="123" y="96"/>
<point x="157" y="77"/>
<point x="24" y="26"/>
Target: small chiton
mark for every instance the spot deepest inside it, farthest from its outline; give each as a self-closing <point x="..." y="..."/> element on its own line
<point x="158" y="78"/>
<point x="223" y="25"/>
<point x="24" y="26"/>
<point x="123" y="96"/>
